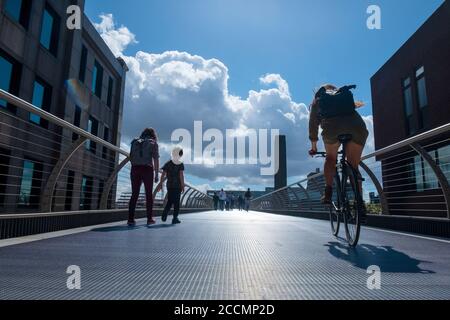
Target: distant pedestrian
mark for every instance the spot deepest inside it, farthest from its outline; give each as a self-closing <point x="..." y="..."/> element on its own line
<point x="232" y="201"/>
<point x="173" y="172"/>
<point x="216" y="201"/>
<point x="222" y="199"/>
<point x="241" y="202"/>
<point x="248" y="198"/>
<point x="144" y="158"/>
<point x="228" y="202"/>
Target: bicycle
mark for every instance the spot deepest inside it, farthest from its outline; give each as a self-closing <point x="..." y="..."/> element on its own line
<point x="347" y="203"/>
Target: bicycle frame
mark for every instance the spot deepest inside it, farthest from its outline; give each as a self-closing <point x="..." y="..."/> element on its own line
<point x="341" y="164"/>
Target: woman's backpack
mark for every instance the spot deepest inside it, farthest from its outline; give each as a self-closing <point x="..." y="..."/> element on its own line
<point x="335" y="103"/>
<point x="142" y="151"/>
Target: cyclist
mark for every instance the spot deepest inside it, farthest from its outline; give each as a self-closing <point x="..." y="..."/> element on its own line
<point x="348" y="122"/>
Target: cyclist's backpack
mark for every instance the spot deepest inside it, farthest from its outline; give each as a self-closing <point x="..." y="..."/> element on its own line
<point x="335" y="103"/>
<point x="142" y="151"/>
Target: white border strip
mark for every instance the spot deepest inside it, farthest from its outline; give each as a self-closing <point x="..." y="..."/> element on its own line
<point x="58" y="234"/>
<point x="408" y="234"/>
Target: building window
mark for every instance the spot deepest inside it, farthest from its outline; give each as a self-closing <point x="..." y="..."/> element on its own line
<point x="444" y="160"/>
<point x="409" y="107"/>
<point x="97" y="80"/>
<point x="10" y="73"/>
<point x="31" y="184"/>
<point x="110" y="92"/>
<point x="425" y="177"/>
<point x="106" y="138"/>
<point x="69" y="191"/>
<point x="5" y="77"/>
<point x="42" y="96"/>
<point x="83" y="63"/>
<point x="50" y="30"/>
<point x="422" y="97"/>
<point x="93" y="129"/>
<point x="76" y="121"/>
<point x="19" y="10"/>
<point x="4" y="169"/>
<point x="86" y="193"/>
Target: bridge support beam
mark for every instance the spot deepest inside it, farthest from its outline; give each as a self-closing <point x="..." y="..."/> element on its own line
<point x="185" y="194"/>
<point x="383" y="200"/>
<point x="110" y="182"/>
<point x="192" y="198"/>
<point x="46" y="204"/>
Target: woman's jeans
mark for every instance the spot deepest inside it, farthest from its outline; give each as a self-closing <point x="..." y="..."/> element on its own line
<point x="139" y="175"/>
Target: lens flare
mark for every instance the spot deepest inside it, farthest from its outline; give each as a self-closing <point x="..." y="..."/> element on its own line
<point x="75" y="93"/>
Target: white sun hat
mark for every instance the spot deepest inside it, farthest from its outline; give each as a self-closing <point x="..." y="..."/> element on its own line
<point x="177" y="154"/>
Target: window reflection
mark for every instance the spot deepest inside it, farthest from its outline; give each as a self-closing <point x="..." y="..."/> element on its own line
<point x="6" y="69"/>
<point x="26" y="186"/>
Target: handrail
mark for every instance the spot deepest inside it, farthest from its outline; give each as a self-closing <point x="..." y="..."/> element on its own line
<point x="58" y="121"/>
<point x="18" y="102"/>
<point x="404" y="143"/>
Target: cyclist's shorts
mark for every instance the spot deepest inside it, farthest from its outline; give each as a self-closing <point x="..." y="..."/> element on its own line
<point x="352" y="124"/>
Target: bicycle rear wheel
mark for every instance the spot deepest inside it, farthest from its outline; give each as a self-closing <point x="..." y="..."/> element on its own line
<point x="353" y="205"/>
<point x="335" y="217"/>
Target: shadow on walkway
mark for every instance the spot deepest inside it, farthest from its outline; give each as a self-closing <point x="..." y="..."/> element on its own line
<point x="126" y="228"/>
<point x="385" y="257"/>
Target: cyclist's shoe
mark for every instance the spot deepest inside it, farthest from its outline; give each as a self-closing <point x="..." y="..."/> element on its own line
<point x="360" y="177"/>
<point x="176" y="221"/>
<point x="328" y="194"/>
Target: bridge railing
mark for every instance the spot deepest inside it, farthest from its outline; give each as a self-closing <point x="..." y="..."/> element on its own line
<point x="48" y="164"/>
<point x="409" y="178"/>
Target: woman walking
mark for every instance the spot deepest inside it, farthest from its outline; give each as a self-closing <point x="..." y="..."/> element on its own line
<point x="144" y="157"/>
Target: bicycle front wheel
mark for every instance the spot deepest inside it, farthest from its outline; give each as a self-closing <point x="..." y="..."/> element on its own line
<point x="353" y="206"/>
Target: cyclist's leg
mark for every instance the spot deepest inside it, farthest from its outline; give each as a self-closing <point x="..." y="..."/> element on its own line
<point x="330" y="162"/>
<point x="330" y="170"/>
<point x="354" y="152"/>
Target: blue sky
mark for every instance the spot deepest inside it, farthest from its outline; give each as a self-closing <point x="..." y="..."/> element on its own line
<point x="305" y="42"/>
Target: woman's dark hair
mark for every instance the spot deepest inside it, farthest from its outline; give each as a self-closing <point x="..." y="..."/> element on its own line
<point x="149" y="133"/>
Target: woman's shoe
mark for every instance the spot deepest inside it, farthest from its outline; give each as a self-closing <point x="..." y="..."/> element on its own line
<point x="150" y="222"/>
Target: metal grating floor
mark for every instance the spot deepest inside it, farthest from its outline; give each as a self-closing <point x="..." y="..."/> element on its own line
<point x="226" y="256"/>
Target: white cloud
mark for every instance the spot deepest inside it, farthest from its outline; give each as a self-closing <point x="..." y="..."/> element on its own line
<point x="173" y="89"/>
<point x="282" y="84"/>
<point x="370" y="146"/>
<point x="118" y="39"/>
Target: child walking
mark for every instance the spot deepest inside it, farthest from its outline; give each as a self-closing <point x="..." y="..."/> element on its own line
<point x="173" y="172"/>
